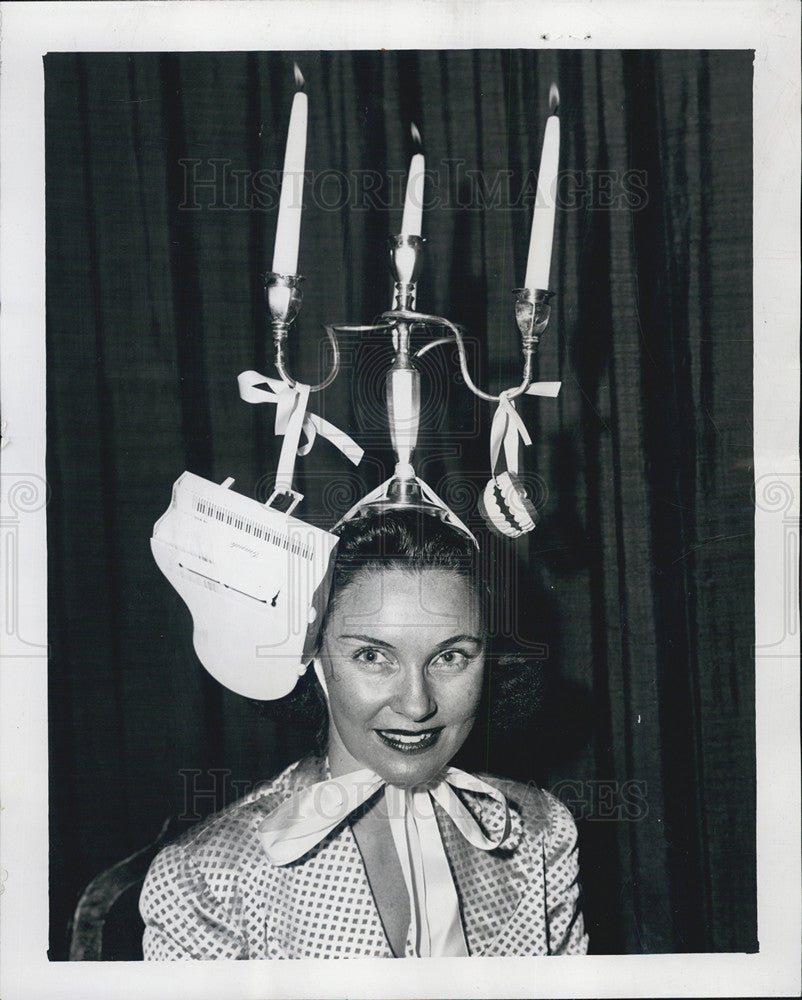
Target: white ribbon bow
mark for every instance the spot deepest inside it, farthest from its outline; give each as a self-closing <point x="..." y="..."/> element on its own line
<point x="300" y="823"/>
<point x="508" y="428"/>
<point x="292" y="420"/>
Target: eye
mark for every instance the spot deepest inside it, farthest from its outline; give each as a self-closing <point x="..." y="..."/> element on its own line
<point x="370" y="655"/>
<point x="451" y="659"/>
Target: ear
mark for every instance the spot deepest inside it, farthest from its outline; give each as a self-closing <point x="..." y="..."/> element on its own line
<point x="318" y="667"/>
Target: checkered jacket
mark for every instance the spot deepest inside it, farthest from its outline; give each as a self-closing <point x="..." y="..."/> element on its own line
<point x="214" y="894"/>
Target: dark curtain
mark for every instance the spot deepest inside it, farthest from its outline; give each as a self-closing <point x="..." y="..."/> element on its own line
<point x="160" y="220"/>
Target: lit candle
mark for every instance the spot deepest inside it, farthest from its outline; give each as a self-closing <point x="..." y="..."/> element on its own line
<point x="539" y="261"/>
<point x="288" y="229"/>
<point x="412" y="219"/>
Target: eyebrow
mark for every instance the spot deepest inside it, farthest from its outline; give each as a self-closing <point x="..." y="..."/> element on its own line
<point x="388" y="645"/>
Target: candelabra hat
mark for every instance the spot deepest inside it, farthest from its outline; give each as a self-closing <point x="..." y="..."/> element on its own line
<point x="256" y="579"/>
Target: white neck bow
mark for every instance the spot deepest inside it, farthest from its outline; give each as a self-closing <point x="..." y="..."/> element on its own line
<point x="304" y="820"/>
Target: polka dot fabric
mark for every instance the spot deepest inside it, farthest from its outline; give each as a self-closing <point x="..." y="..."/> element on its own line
<point x="214" y="894"/>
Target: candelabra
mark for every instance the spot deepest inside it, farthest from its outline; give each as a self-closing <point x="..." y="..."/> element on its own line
<point x="510" y="511"/>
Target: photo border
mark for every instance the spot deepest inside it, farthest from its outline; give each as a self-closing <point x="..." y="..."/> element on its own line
<point x="29" y="30"/>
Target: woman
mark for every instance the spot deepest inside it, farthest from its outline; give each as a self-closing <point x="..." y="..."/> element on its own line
<point x="377" y="847"/>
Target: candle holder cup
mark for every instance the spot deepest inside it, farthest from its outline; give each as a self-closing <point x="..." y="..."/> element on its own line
<point x="283" y="298"/>
<point x="532" y="311"/>
<point x="406" y="259"/>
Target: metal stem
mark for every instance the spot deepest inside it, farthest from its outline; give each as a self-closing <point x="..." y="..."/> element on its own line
<point x="404" y="314"/>
<point x="281" y="368"/>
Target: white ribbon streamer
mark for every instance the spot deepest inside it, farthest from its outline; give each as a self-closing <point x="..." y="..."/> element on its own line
<point x="544" y="389"/>
<point x="292" y="420"/>
<point x="508" y="428"/>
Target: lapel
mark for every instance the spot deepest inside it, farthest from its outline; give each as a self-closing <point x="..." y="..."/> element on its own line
<point x="489" y="884"/>
<point x="322" y="906"/>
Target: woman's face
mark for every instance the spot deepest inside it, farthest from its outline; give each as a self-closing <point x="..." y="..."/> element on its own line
<point x="403" y="658"/>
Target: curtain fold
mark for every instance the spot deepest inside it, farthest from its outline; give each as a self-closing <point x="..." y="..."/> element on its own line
<point x="639" y="578"/>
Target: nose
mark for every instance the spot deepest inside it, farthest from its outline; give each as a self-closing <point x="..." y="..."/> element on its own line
<point x="414" y="698"/>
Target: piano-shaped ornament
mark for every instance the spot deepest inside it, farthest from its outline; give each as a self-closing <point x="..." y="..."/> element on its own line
<point x="255" y="579"/>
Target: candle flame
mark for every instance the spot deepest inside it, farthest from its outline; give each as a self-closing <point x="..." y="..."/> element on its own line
<point x="299" y="77"/>
<point x="413" y="128"/>
<point x="554" y="98"/>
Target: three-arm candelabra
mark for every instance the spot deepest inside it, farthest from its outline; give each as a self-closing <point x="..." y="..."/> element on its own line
<point x="506" y="507"/>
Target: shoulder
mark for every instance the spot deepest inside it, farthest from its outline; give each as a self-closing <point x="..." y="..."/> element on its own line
<point x="214" y="857"/>
<point x="542" y="816"/>
<point x="542" y="848"/>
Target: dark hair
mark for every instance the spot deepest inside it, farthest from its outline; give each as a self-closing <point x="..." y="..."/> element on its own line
<point x="413" y="540"/>
<point x="403" y="538"/>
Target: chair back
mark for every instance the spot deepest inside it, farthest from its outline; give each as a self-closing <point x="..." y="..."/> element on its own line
<point x="110" y="887"/>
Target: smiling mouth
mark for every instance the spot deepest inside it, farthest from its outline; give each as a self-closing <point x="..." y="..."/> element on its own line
<point x="408" y="742"/>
